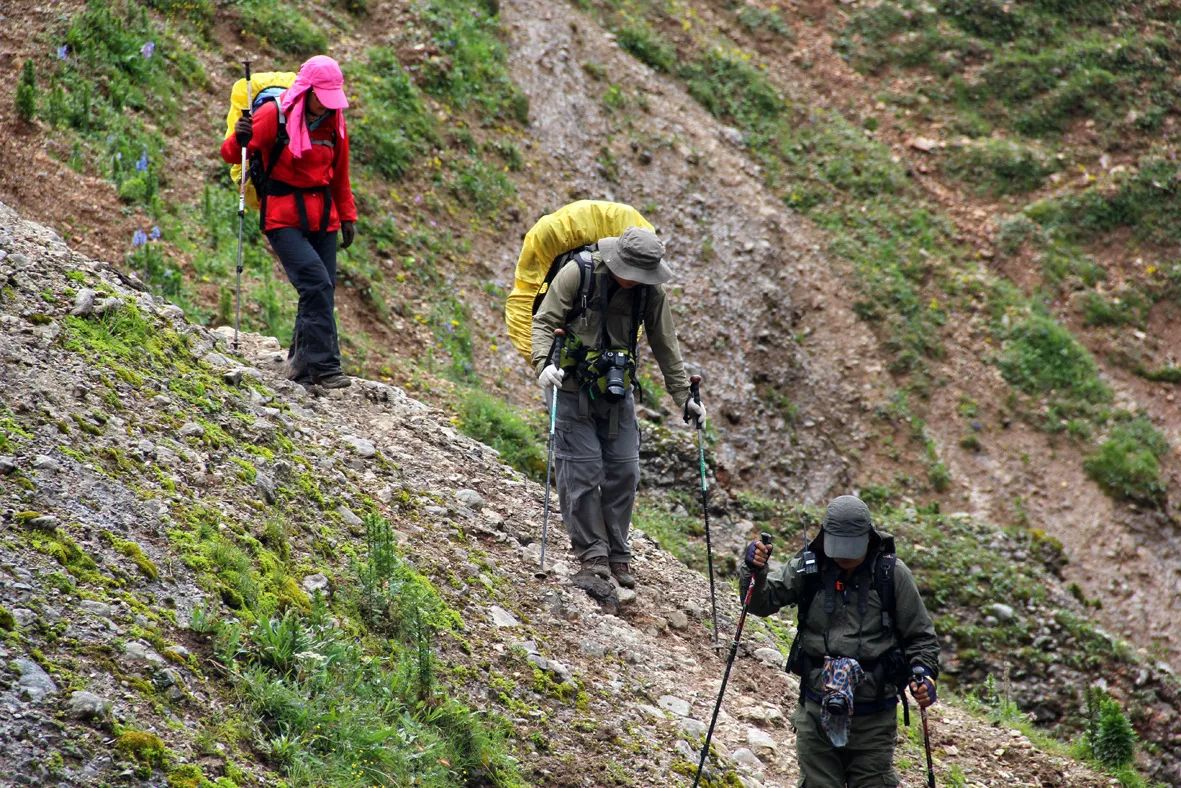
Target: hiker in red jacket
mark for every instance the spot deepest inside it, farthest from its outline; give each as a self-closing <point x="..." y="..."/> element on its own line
<point x="305" y="197"/>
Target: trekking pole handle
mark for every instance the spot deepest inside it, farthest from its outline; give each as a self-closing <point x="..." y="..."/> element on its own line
<point x="695" y="395"/>
<point x="557" y="345"/>
<point x="249" y="99"/>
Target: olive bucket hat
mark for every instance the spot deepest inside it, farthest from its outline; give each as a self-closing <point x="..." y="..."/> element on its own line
<point x="846" y="527"/>
<point x="636" y="255"/>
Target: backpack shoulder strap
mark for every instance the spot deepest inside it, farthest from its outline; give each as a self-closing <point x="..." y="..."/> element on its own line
<point x="883" y="583"/>
<point x="586" y="283"/>
<point x="639" y="308"/>
<point x="807" y="596"/>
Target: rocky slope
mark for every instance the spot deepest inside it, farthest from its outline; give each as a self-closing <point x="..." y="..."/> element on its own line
<point x="132" y="444"/>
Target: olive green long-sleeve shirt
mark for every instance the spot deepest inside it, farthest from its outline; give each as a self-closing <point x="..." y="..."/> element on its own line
<point x="657" y="320"/>
<point x="846" y="632"/>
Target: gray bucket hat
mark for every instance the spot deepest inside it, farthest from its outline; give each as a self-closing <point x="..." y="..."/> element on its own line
<point x="636" y="256"/>
<point x="846" y="527"/>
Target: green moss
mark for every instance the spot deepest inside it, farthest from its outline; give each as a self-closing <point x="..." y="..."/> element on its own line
<point x="135" y="553"/>
<point x="187" y="776"/>
<point x="248" y="472"/>
<point x="86" y="425"/>
<point x="7" y="622"/>
<point x="145" y="750"/>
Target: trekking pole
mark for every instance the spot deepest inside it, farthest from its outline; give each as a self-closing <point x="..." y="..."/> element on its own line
<point x="927" y="744"/>
<point x="750" y="587"/>
<point x="555" y="348"/>
<point x="241" y="218"/>
<point x="695" y="392"/>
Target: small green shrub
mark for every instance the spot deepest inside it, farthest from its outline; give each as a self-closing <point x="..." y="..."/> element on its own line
<point x="274" y="23"/>
<point x="732" y="89"/>
<point x="647" y="46"/>
<point x="199" y="12"/>
<point x="1000" y="166"/>
<point x="492" y="421"/>
<point x="758" y="19"/>
<point x="483" y="186"/>
<point x="391" y="127"/>
<point x="1110" y="736"/>
<point x="473" y="70"/>
<point x="1167" y="374"/>
<point x="1126" y="308"/>
<point x="1127" y="464"/>
<point x="1042" y="357"/>
<point x="26" y="92"/>
<point x="1148" y="202"/>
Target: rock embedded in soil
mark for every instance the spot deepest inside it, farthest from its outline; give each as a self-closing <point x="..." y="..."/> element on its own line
<point x="503" y="618"/>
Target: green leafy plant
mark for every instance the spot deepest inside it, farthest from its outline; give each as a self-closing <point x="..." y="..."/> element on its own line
<point x="647" y="46"/>
<point x="999" y="166"/>
<point x="26" y="92"/>
<point x="1127" y="464"/>
<point x="1042" y="357"/>
<point x="274" y="23"/>
<point x="490" y="420"/>
<point x="1110" y="737"/>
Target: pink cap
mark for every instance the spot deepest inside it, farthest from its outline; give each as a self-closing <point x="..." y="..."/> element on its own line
<point x="326" y="79"/>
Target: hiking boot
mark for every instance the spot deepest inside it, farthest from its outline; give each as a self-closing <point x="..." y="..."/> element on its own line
<point x="310" y="387"/>
<point x="596" y="567"/>
<point x="623" y="575"/>
<point x="336" y="380"/>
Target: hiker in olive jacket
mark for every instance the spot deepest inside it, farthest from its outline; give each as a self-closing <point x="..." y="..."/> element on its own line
<point x="841" y="743"/>
<point x="601" y="302"/>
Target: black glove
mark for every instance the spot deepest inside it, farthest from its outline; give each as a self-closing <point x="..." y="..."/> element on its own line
<point x="749" y="555"/>
<point x="348" y="230"/>
<point x="921" y="675"/>
<point x="244" y="130"/>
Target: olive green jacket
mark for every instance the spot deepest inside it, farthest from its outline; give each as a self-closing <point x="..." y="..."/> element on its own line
<point x="657" y="321"/>
<point x="846" y="632"/>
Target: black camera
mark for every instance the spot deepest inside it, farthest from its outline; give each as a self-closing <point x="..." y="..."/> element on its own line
<point x="612" y="366"/>
<point x="836" y="705"/>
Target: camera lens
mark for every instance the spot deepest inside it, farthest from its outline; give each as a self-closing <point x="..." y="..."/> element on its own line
<point x="615" y="364"/>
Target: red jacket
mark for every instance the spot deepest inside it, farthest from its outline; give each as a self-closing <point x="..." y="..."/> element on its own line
<point x="321" y="165"/>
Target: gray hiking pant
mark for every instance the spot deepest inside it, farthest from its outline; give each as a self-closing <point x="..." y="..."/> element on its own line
<point x="867" y="760"/>
<point x="598" y="465"/>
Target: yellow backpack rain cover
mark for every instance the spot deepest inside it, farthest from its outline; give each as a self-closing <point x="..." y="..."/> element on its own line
<point x="238" y="103"/>
<point x="571" y="226"/>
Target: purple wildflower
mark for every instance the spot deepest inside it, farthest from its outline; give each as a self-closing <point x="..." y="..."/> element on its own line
<point x="139" y="239"/>
<point x="147" y="49"/>
<point x="155" y="233"/>
<point x="63" y="51"/>
<point x="141" y="165"/>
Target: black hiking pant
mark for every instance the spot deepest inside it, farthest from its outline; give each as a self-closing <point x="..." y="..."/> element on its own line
<point x="310" y="262"/>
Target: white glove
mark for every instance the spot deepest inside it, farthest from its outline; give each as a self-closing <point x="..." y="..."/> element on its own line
<point x="695" y="410"/>
<point x="551" y="376"/>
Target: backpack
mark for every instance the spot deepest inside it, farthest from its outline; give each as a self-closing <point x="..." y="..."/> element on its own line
<point x="881" y="580"/>
<point x="265" y="86"/>
<point x="555" y="240"/>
